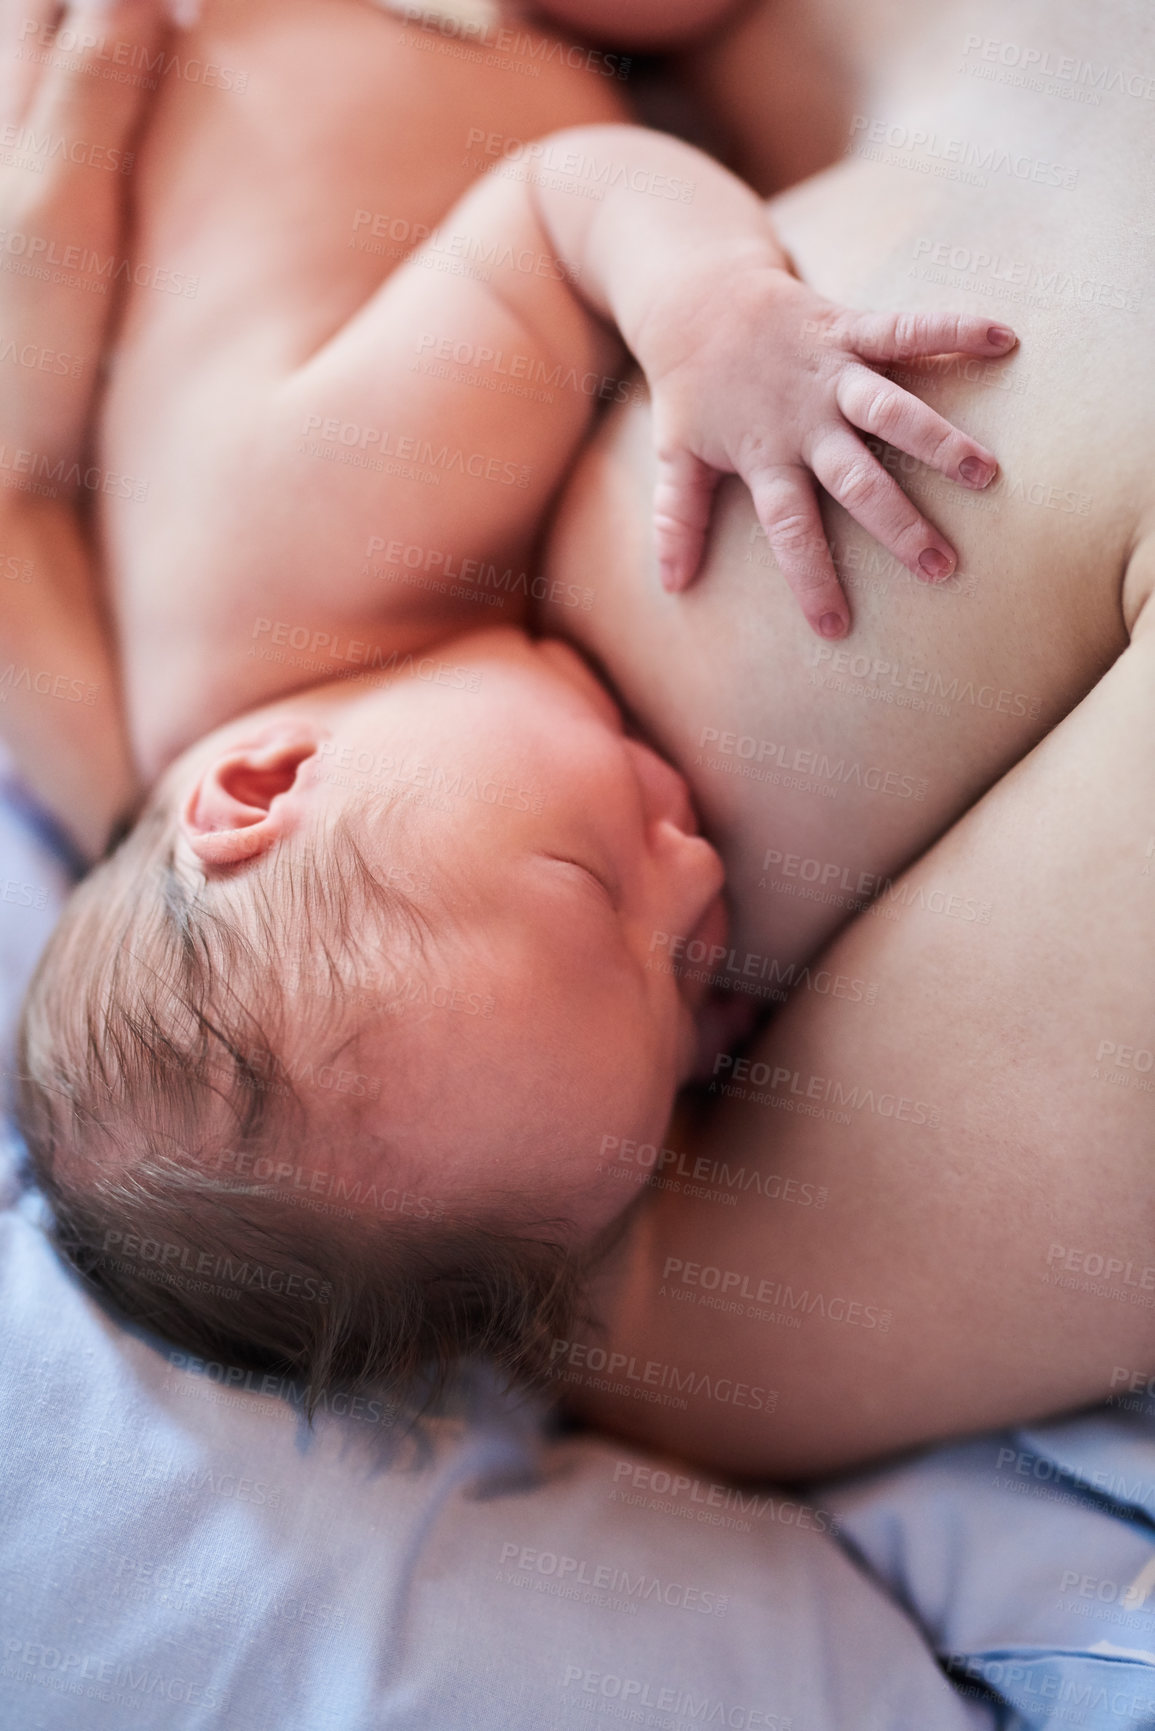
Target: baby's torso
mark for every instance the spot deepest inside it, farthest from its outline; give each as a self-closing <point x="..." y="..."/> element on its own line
<point x="822" y="769"/>
<point x="299" y="151"/>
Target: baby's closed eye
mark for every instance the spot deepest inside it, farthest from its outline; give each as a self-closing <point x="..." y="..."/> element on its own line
<point x="588" y="874"/>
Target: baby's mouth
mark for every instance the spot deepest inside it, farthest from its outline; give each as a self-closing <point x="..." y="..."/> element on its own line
<point x="705" y="948"/>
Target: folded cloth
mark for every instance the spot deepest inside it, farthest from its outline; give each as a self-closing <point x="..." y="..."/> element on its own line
<point x="1028" y="1560"/>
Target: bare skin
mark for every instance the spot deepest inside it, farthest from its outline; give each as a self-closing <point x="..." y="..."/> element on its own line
<point x="324" y="329"/>
<point x="263" y="454"/>
<point x="998" y="1135"/>
<point x="666" y="641"/>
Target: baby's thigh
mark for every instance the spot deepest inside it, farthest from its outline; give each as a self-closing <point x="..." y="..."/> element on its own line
<point x="937" y="1214"/>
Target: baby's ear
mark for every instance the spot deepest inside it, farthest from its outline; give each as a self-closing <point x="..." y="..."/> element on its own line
<point x="248" y="796"/>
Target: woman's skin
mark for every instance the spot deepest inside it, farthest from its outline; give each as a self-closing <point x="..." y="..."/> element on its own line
<point x="983" y="1104"/>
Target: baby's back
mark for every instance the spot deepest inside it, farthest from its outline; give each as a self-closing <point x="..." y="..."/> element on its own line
<point x="822" y="769"/>
<point x="272" y="199"/>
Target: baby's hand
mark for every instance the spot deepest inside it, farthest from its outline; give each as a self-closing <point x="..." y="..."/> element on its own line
<point x="754" y="374"/>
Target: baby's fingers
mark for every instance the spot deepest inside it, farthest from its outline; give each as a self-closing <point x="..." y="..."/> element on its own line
<point x="877" y="406"/>
<point x="683" y="499"/>
<point x="788" y="511"/>
<point x="862" y="486"/>
<point x="910" y="336"/>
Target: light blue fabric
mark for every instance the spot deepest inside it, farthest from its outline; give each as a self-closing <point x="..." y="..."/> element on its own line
<point x="1028" y="1558"/>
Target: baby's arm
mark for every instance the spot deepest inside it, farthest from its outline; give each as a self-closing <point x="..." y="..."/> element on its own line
<point x="60" y="709"/>
<point x="751" y="372"/>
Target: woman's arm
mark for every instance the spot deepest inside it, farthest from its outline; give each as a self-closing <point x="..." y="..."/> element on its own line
<point x="60" y="708"/>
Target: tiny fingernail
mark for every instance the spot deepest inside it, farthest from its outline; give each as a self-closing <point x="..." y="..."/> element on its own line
<point x="1000" y="336"/>
<point x="975" y="472"/>
<point x="831" y="625"/>
<point x="934" y="564"/>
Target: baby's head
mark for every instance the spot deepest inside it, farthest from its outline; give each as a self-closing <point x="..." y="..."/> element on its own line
<point x="319" y="1066"/>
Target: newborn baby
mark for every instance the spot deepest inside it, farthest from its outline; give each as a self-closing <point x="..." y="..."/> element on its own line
<point x="316" y="1064"/>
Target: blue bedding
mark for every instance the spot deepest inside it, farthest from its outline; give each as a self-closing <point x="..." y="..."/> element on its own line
<point x="178" y="1550"/>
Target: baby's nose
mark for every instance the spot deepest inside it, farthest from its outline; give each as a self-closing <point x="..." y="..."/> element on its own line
<point x="664" y="792"/>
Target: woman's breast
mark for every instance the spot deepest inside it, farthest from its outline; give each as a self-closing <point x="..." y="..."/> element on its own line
<point x="848" y="759"/>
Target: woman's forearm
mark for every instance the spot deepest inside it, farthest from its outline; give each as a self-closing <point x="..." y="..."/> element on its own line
<point x="60" y="706"/>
